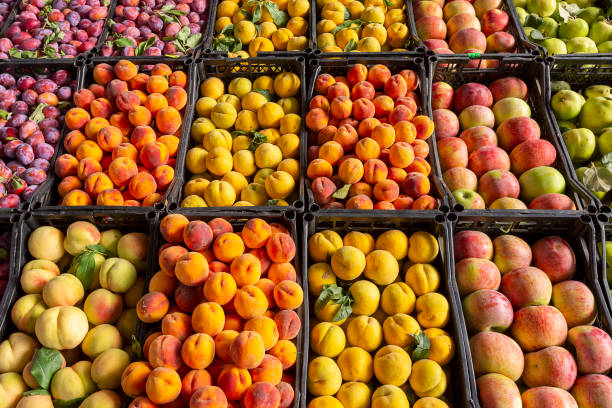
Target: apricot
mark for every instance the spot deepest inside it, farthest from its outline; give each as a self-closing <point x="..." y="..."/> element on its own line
<point x="152" y="307"/>
<point x="193" y="381"/>
<point x="134" y="378"/>
<point x="208" y="318"/>
<point x="247" y="350"/>
<point x="177" y="324"/>
<point x="191" y="269"/>
<point x="141" y="185"/>
<point x="168" y="120"/>
<point x="163" y="385"/>
<point x="198" y="351"/>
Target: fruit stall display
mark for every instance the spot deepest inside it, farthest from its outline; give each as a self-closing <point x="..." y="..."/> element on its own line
<point x="534" y="311"/>
<point x="495" y="143"/>
<point x="54" y="29"/>
<point x="245" y="28"/>
<point x="70" y="309"/>
<point x="33" y="102"/>
<point x="123" y="141"/>
<point x="155" y="27"/>
<point x="223" y="316"/>
<point x="245" y="148"/>
<point x="384" y="324"/>
<point x="369" y="150"/>
<point x="560" y="27"/>
<point x="466" y="27"/>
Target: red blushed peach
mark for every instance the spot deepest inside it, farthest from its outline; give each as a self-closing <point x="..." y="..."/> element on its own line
<point x="83" y="98"/>
<point x="411" y="78"/>
<point x="165" y="351"/>
<point x="409" y="103"/>
<point x="288" y="324"/>
<point x="363" y="89"/>
<point x="419" y="165"/>
<point x="115" y="88"/>
<point x="401" y="154"/>
<point x="322" y="189"/>
<point x="416" y="185"/>
<point x="316" y="119"/>
<point x="127" y="100"/>
<point x="163" y="176"/>
<point x="280" y="271"/>
<point x="319" y="101"/>
<point x="177" y="97"/>
<point x="234" y="382"/>
<point x="338" y="89"/>
<point x="103" y="73"/>
<point x="172" y="228"/>
<point x="425" y="202"/>
<point x="193" y="381"/>
<point x="270" y="370"/>
<point x="72" y="140"/>
<point x="120" y="120"/>
<point x="488" y="158"/>
<point x="111" y="197"/>
<point x="208" y="397"/>
<point x="552" y="201"/>
<point x="287" y="394"/>
<point x="346" y="136"/>
<point x="141" y="185"/>
<point x="508" y="87"/>
<point x="101" y="108"/>
<point x="400" y="113"/>
<point x="77" y="198"/>
<point x="95" y="183"/>
<point x="68" y="184"/>
<point x="267" y="288"/>
<point x="141" y="135"/>
<point x="397" y="175"/>
<point x="424" y="126"/>
<point x="160" y="282"/>
<point x="403" y="202"/>
<point x="360" y="202"/>
<point x="153" y="155"/>
<point x="168" y="258"/>
<point x="77" y="118"/>
<point x="360" y="188"/>
<point x="152" y="307"/>
<point x="261" y="394"/>
<point x="147" y="343"/>
<point x="326" y="134"/>
<point x="247" y="350"/>
<point x="363" y="108"/>
<point x="341" y="107"/>
<point x="383" y="106"/>
<point x="98" y="90"/>
<point x="188" y="297"/>
<point x="396" y="87"/>
<point x="384" y="205"/>
<point x="323" y="82"/>
<point x="88" y="166"/>
<point x="125" y="150"/>
<point x="280" y="247"/>
<point x="356" y="73"/>
<point x="374" y="171"/>
<point x="386" y="190"/>
<point x="366" y="127"/>
<point x="378" y="75"/>
<point x="220" y="226"/>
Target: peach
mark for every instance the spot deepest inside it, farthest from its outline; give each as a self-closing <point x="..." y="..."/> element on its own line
<point x="415" y="185"/>
<point x="319" y="168"/>
<point x="89" y="148"/>
<point x="250" y="301"/>
<point x="323" y="188"/>
<point x="77" y="198"/>
<point x="168" y="120"/>
<point x="93" y="127"/>
<point x="234" y="382"/>
<point x="287" y="394"/>
<point x="178" y="325"/>
<point x="351" y="170"/>
<point x="401" y="154"/>
<point x="280" y="247"/>
<point x="247" y="350"/>
<point x="255" y="233"/>
<point x="383" y="106"/>
<point x="341" y="107"/>
<point x="555" y="257"/>
<point x="378" y="75"/>
<point x="270" y="370"/>
<point x="356" y="73"/>
<point x="245" y="269"/>
<point x="280" y="271"/>
<point x="323" y="82"/>
<point x="152" y="307"/>
<point x="168" y="258"/>
<point x="160" y="282"/>
<point x="163" y="385"/>
<point x="193" y="381"/>
<point x="402" y="113"/>
<point x="77" y="118"/>
<point x="360" y="201"/>
<point x="134" y="378"/>
<point x="188" y="297"/>
<point x="494" y="352"/>
<point x="208" y="318"/>
<point x="331" y="151"/>
<point x="198" y="351"/>
<point x="288" y="295"/>
<point x="497" y="391"/>
<point x="363" y="89"/>
<point x="363" y="108"/>
<point x="177" y="97"/>
<point x="261" y="394"/>
<point x="208" y="397"/>
<point x="374" y="171"/>
<point x="121" y="171"/>
<point x="366" y="127"/>
<point x="360" y="188"/>
<point x="88" y="166"/>
<point x="72" y="140"/>
<point x="593" y="348"/>
<point x="191" y="269"/>
<point x="163" y="175"/>
<point x="425" y="202"/>
<point x="141" y="135"/>
<point x="553" y="366"/>
<point x="220" y="226"/>
<point x="172" y="228"/>
<point x="593" y="390"/>
<point x="102" y="108"/>
<point x="228" y="246"/>
<point x="66" y="165"/>
<point x="125" y="150"/>
<point x="547" y="397"/>
<point x="127" y="100"/>
<point x="220" y="287"/>
<point x="286" y="352"/>
<point x="288" y="324"/>
<point x="317" y="119"/>
<point x="321" y="102"/>
<point x="386" y="190"/>
<point x="266" y="327"/>
<point x="142" y="185"/>
<point x="537" y="327"/>
<point x="346" y="136"/>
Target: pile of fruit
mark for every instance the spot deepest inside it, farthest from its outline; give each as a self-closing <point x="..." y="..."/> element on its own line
<point x="561" y="27"/>
<point x="499" y="141"/>
<point x="155" y="27"/>
<point x="246" y="142"/>
<point x="76" y="314"/>
<point x="32" y="106"/>
<point x="584" y="119"/>
<point x="226" y="302"/>
<point x="246" y="27"/>
<point x="124" y="136"/>
<point x="365" y="26"/>
<point x="396" y="336"/>
<point x="5" y="9"/>
<point x="54" y="29"/>
<point x="367" y="149"/>
<point x="460" y="26"/>
<point x="5" y="260"/>
<point x="540" y="309"/>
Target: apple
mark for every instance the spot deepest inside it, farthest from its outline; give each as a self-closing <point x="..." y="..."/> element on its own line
<point x="554" y="46"/>
<point x="473" y="274"/>
<point x="598" y="90"/>
<point x="552" y="201"/>
<point x="476" y="115"/>
<point x="508" y="87"/>
<point x="532" y="153"/>
<point x="470" y="94"/>
<point x="573" y="28"/>
<point x="581" y="45"/>
<point x="496" y="184"/>
<point x="487" y="310"/>
<point x="472" y="244"/>
<point x="507" y="203"/>
<point x="566" y="104"/>
<point x="514" y="131"/>
<point x="460" y="178"/>
<point x="510" y="108"/>
<point x="605" y="47"/>
<point x="548" y="27"/>
<point x="596" y="114"/>
<point x="478" y="136"/>
<point x="539" y="181"/>
<point x="469" y="199"/>
<point x="446" y="123"/>
<point x="542" y="8"/>
<point x="441" y="95"/>
<point x="580" y="144"/>
<point x="600" y="32"/>
<point x="590" y="14"/>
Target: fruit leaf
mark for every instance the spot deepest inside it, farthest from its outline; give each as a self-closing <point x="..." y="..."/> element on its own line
<point x="143" y="46"/>
<point x="44" y="364"/>
<point x="258" y="28"/>
<point x="4" y="114"/>
<point x="272" y="202"/>
<point x="237" y="133"/>
<point x="350" y="46"/>
<point x="49" y="51"/>
<point x="412" y="398"/>
<point x="85" y="266"/>
<point x="265" y="93"/>
<point x="536" y="35"/>
<point x="533" y="20"/>
<point x="420" y="347"/>
<point x="330" y="292"/>
<point x="279" y="17"/>
<point x="183" y="34"/>
<point x="347" y="14"/>
<point x="14" y="53"/>
<point x="246" y="14"/>
<point x="35" y="392"/>
<point x="38" y="115"/>
<point x="123" y="42"/>
<point x="73" y="403"/>
<point x="227" y="30"/>
<point x="193" y="40"/>
<point x="111" y="22"/>
<point x="257" y="139"/>
<point x="358" y="23"/>
<point x="388" y="3"/>
<point x="135" y="349"/>
<point x="597" y="179"/>
<point x="63" y="104"/>
<point x="563" y="129"/>
<point x="563" y="13"/>
<point x="257" y="13"/>
<point x="105" y="3"/>
<point x="99" y="249"/>
<point x="342" y="193"/>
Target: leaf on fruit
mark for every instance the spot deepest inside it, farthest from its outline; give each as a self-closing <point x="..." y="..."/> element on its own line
<point x="35" y="392"/>
<point x="606" y="160"/>
<point x="533" y="20"/>
<point x="4" y="114"/>
<point x="73" y="403"/>
<point x="105" y="3"/>
<point x="272" y="203"/>
<point x="183" y="34"/>
<point x="265" y="93"/>
<point x="135" y="349"/>
<point x="227" y="30"/>
<point x="257" y="13"/>
<point x="29" y="54"/>
<point x="350" y="46"/>
<point x="99" y="249"/>
<point x="347" y="14"/>
<point x="14" y="53"/>
<point x="597" y="179"/>
<point x="536" y="35"/>
<point x="49" y="51"/>
<point x="193" y="40"/>
<point x="246" y="14"/>
<point x="143" y="46"/>
<point x="44" y="364"/>
<point x="388" y="3"/>
<point x="412" y="398"/>
<point x="237" y="133"/>
<point x="279" y="17"/>
<point x="123" y="42"/>
<point x="63" y="104"/>
<point x="563" y="129"/>
<point x="38" y="115"/>
<point x="563" y="13"/>
<point x="334" y="293"/>
<point x="342" y="193"/>
<point x="420" y="347"/>
<point x="257" y="139"/>
<point x="83" y="267"/>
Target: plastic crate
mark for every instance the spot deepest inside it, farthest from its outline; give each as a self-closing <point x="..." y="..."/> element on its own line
<point x="340" y="67"/>
<point x="415" y="49"/>
<point x="49" y="198"/>
<point x="580" y="72"/>
<point x="251" y="68"/>
<point x="578" y="230"/>
<point x="604" y="233"/>
<point x="457" y="71"/>
<point x="238" y="218"/>
<point x="458" y="391"/>
<point x="19" y="68"/>
<point x="524" y="47"/>
<point x="207" y="44"/>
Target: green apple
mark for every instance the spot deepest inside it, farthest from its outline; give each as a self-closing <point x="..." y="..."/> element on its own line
<point x="539" y="181"/>
<point x="566" y="124"/>
<point x="581" y="45"/>
<point x="604" y="142"/>
<point x="543" y="8"/>
<point x="510" y="108"/>
<point x="469" y="199"/>
<point x="556" y="86"/>
<point x="520" y="3"/>
<point x="554" y="46"/>
<point x="573" y="28"/>
<point x="566" y="104"/>
<point x="548" y="27"/>
<point x="580" y="144"/>
<point x="528" y="31"/>
<point x="600" y="32"/>
<point x="596" y="114"/>
<point x="590" y="14"/>
<point x="598" y="90"/>
<point x="605" y="47"/>
<point x="522" y="14"/>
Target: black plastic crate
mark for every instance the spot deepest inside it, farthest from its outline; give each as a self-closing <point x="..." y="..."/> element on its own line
<point x="238" y="218"/>
<point x="578" y="230"/>
<point x="415" y="45"/>
<point x="18" y="68"/>
<point x="49" y="198"/>
<point x="227" y="69"/>
<point x="580" y="72"/>
<point x="523" y="46"/>
<point x="457" y="71"/>
<point x="209" y="38"/>
<point x="604" y="233"/>
<point x="340" y="66"/>
<point x="458" y="390"/>
<point x="9" y="223"/>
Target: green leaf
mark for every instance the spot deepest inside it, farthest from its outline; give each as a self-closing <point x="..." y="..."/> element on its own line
<point x="388" y="3"/>
<point x="246" y="14"/>
<point x="193" y="40"/>
<point x="347" y="14"/>
<point x="44" y="364"/>
<point x="330" y="292"/>
<point x="536" y="35"/>
<point x="38" y="114"/>
<point x="258" y="28"/>
<point x="4" y="114"/>
<point x="237" y="133"/>
<point x="143" y="46"/>
<point x="345" y="309"/>
<point x="272" y="202"/>
<point x="265" y="93"/>
<point x="533" y="20"/>
<point x="63" y="104"/>
<point x="135" y="349"/>
<point x="563" y="13"/>
<point x="50" y="52"/>
<point x="183" y="34"/>
<point x="412" y="398"/>
<point x="14" y="53"/>
<point x="111" y="22"/>
<point x="171" y="56"/>
<point x="177" y="12"/>
<point x="73" y="403"/>
<point x="597" y="179"/>
<point x="279" y="17"/>
<point x="564" y="129"/>
<point x="350" y="46"/>
<point x="99" y="249"/>
<point x="421" y="346"/>
<point x="257" y="139"/>
<point x="35" y="392"/>
<point x="342" y="193"/>
<point x="29" y="54"/>
<point x="606" y="160"/>
<point x="227" y="30"/>
<point x="123" y="42"/>
<point x="166" y="8"/>
<point x="348" y="24"/>
<point x="257" y="13"/>
<point x="85" y="268"/>
<point x="105" y="3"/>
